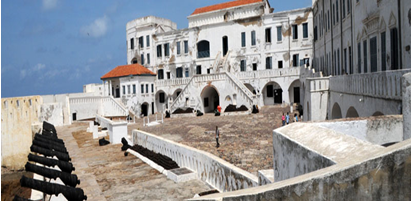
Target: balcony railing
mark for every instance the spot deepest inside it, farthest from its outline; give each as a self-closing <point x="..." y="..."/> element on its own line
<point x="268" y="73"/>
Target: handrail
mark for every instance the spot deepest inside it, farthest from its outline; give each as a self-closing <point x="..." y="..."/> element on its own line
<point x="216" y="63"/>
<point x="241" y="86"/>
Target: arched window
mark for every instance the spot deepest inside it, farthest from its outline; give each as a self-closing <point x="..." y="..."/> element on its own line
<point x="160" y="75"/>
<point x="203" y="49"/>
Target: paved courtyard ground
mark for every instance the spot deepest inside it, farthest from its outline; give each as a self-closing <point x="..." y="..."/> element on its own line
<point x="106" y="174"/>
<point x="246" y="140"/>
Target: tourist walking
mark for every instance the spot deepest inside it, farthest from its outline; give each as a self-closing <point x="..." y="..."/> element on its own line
<point x="217" y="137"/>
<point x="296" y="117"/>
<point x="283" y="119"/>
<point x="287" y="118"/>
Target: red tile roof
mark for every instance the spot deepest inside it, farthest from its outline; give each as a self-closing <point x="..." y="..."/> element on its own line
<point x="126" y="70"/>
<point x="224" y="5"/>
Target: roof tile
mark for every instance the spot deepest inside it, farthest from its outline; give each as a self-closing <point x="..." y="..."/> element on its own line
<point x="126" y="70"/>
<point x="224" y="5"/>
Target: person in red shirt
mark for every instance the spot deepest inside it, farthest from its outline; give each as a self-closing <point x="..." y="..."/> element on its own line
<point x="219" y="108"/>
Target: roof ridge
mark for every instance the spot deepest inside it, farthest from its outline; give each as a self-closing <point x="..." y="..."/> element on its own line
<point x="126" y="70"/>
<point x="223" y="5"/>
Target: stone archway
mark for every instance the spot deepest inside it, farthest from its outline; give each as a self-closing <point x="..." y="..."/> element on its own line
<point x="272" y="93"/>
<point x="336" y="112"/>
<point x="352" y="113"/>
<point x="144" y="109"/>
<point x="210" y="98"/>
<point x="378" y="113"/>
<point x="294" y="92"/>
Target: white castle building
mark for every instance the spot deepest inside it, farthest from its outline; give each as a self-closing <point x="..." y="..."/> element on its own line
<point x="236" y="53"/>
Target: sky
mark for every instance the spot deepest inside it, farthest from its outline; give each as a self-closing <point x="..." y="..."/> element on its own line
<point x="57" y="46"/>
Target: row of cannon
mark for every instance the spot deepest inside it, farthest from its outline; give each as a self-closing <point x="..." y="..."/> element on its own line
<point x="51" y="147"/>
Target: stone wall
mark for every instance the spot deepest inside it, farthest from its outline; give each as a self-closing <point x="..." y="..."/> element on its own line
<point x="406" y="106"/>
<point x="17" y="116"/>
<point x="209" y="168"/>
<point x="52" y="113"/>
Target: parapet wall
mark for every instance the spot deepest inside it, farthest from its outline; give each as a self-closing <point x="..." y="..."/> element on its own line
<point x="209" y="168"/>
<point x="17" y="116"/>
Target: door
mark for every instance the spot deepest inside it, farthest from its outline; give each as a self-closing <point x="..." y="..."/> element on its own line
<point x="277" y="96"/>
<point x="74" y="117"/>
<point x="117" y="92"/>
<point x="224" y="45"/>
<point x="152" y="107"/>
<point x="144" y="109"/>
<point x="296" y="95"/>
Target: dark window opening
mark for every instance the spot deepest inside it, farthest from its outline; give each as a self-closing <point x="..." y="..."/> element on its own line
<point x="374" y="54"/>
<point x="198" y="70"/>
<point x="269" y="91"/>
<point x="305" y="30"/>
<point x="383" y="51"/>
<point x="142" y="89"/>
<point x="243" y="39"/>
<point x="142" y="58"/>
<point x="225" y="45"/>
<point x="359" y="58"/>
<point x="295" y="31"/>
<point x="159" y="50"/>
<point x="178" y="48"/>
<point x="166" y="46"/>
<point x="279" y="33"/>
<point x="141" y="42"/>
<point x="243" y="65"/>
<point x="74" y="116"/>
<point x="268" y="35"/>
<point x="147" y="88"/>
<point x="160" y="75"/>
<point x="147" y="41"/>
<point x="253" y="38"/>
<point x="350" y="61"/>
<point x="203" y="49"/>
<point x="152" y="88"/>
<point x="254" y="65"/>
<point x="295" y="60"/>
<point x="394" y="49"/>
<point x="179" y="73"/>
<point x="186" y="46"/>
<point x="268" y="62"/>
<point x="148" y="58"/>
<point x="280" y="64"/>
<point x="132" y="43"/>
<point x="162" y="97"/>
<point x="187" y="72"/>
<point x="168" y="75"/>
<point x="365" y="56"/>
<point x="134" y="61"/>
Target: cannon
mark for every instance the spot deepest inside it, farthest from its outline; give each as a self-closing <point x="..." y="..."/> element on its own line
<point x="71" y="194"/>
<point x="50" y="153"/>
<point x="51" y="146"/>
<point x="63" y="165"/>
<point x="18" y="198"/>
<point x="125" y="144"/>
<point x="54" y="139"/>
<point x="49" y="127"/>
<point x="44" y="140"/>
<point x="48" y="134"/>
<point x="103" y="142"/>
<point x="67" y="178"/>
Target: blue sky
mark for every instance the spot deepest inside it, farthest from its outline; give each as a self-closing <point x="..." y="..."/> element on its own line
<point x="57" y="46"/>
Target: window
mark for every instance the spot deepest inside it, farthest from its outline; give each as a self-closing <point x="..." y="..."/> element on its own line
<point x="160" y="75"/>
<point x="350" y="61"/>
<point x="141" y="42"/>
<point x="159" y="50"/>
<point x="359" y="58"/>
<point x="394" y="48"/>
<point x="267" y="35"/>
<point x="179" y="72"/>
<point x="315" y="32"/>
<point x="147" y="88"/>
<point x="295" y="31"/>
<point x="328" y="21"/>
<point x="268" y="62"/>
<point x="343" y="9"/>
<point x="338" y="70"/>
<point x="147" y="41"/>
<point x="333" y="14"/>
<point x="142" y="58"/>
<point x="134" y="89"/>
<point x="162" y="97"/>
<point x="279" y="33"/>
<point x="178" y="48"/>
<point x="142" y="88"/>
<point x="305" y="30"/>
<point x="148" y="58"/>
<point x="152" y="88"/>
<point x="198" y="70"/>
<point x="374" y="54"/>
<point x="349" y="5"/>
<point x="345" y="60"/>
<point x="253" y="38"/>
<point x="295" y="60"/>
<point x="203" y="49"/>
<point x="166" y="46"/>
<point x="383" y="51"/>
<point x="128" y="89"/>
<point x="269" y="91"/>
<point x="365" y="56"/>
<point x="134" y="61"/>
<point x="187" y="72"/>
<point x="208" y="71"/>
<point x="280" y="64"/>
<point x="186" y="46"/>
<point x="254" y="66"/>
<point x="243" y="39"/>
<point x="243" y="65"/>
<point x="206" y="101"/>
<point x="168" y="75"/>
<point x="132" y="43"/>
<point x="337" y="11"/>
<point x="124" y="89"/>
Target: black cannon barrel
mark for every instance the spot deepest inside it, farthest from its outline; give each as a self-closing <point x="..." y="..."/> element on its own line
<point x="63" y="165"/>
<point x="18" y="198"/>
<point x="49" y="127"/>
<point x="125" y="144"/>
<point x="48" y="141"/>
<point x="71" y="194"/>
<point x="50" y="153"/>
<point x="51" y="146"/>
<point x="48" y="134"/>
<point x="54" y="139"/>
<point x="67" y="178"/>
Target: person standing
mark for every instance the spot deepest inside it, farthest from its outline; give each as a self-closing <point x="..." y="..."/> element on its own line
<point x="283" y="119"/>
<point x="287" y="118"/>
<point x="296" y="117"/>
<point x="217" y="137"/>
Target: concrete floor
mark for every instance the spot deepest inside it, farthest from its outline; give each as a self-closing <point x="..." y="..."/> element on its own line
<point x="106" y="174"/>
<point x="246" y="140"/>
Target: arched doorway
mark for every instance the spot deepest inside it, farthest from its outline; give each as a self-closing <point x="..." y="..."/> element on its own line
<point x="250" y="87"/>
<point x="161" y="101"/>
<point x="134" y="61"/>
<point x="336" y="112"/>
<point x="145" y="109"/>
<point x="294" y="92"/>
<point x="352" y="113"/>
<point x="176" y="93"/>
<point x="210" y="99"/>
<point x="272" y="94"/>
<point x="225" y="46"/>
<point x="378" y="113"/>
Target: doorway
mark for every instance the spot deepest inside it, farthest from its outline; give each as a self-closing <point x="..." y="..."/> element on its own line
<point x="144" y="109"/>
<point x="117" y="92"/>
<point x="74" y="116"/>
<point x="296" y="94"/>
<point x="225" y="46"/>
<point x="277" y="96"/>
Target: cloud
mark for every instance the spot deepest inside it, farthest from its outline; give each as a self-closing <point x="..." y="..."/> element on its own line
<point x="22" y="74"/>
<point x="96" y="29"/>
<point x="49" y="4"/>
<point x="38" y="67"/>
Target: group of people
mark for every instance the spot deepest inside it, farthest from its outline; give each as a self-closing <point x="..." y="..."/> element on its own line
<point x="285" y="119"/>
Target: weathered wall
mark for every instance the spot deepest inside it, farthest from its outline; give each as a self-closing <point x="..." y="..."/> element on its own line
<point x="377" y="130"/>
<point x="17" y="116"/>
<point x="209" y="168"/>
<point x="290" y="159"/>
<point x="88" y="107"/>
<point x="384" y="176"/>
<point x="406" y="105"/>
<point x="117" y="130"/>
<point x="52" y="113"/>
